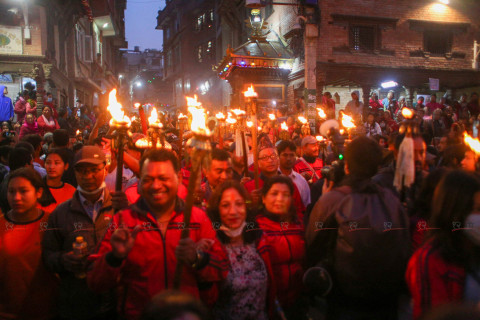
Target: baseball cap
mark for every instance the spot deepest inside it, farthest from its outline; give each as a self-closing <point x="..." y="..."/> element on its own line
<point x="90" y="154"/>
<point x="308" y="140"/>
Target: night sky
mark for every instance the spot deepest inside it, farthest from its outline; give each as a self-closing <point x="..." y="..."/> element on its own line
<point x="140" y="23"/>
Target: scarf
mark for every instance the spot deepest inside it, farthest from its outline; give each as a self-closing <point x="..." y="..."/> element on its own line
<point x="50" y="123"/>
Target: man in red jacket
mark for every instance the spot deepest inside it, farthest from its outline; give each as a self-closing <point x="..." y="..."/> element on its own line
<point x="142" y="247"/>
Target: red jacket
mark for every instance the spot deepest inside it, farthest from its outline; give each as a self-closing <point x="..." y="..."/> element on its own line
<point x="433" y="281"/>
<point x="297" y="198"/>
<point x="301" y="167"/>
<point x="44" y="127"/>
<point x="286" y="242"/>
<point x="150" y="266"/>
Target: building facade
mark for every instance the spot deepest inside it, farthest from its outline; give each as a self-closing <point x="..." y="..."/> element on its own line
<point x="66" y="48"/>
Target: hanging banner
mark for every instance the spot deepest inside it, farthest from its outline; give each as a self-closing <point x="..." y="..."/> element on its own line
<point x="434" y="84"/>
<point x="11" y="40"/>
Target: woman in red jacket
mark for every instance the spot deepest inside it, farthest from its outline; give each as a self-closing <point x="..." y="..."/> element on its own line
<point x="284" y="234"/>
<point x="27" y="289"/>
<point x="46" y="122"/>
<point x="30" y="126"/>
<point x="446" y="268"/>
<point x="247" y="292"/>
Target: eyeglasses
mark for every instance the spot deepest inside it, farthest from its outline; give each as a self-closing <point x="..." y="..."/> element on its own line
<point x="87" y="170"/>
<point x="271" y="157"/>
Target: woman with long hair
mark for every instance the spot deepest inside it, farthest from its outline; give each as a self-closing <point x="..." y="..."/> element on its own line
<point x="446" y="268"/>
<point x="27" y="289"/>
<point x="46" y="122"/>
<point x="245" y="292"/>
<point x="284" y="233"/>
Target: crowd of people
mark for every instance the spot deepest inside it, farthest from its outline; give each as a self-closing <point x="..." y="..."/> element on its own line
<point x="331" y="227"/>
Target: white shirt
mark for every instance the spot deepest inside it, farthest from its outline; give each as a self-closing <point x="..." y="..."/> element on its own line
<point x="92" y="209"/>
<point x="302" y="186"/>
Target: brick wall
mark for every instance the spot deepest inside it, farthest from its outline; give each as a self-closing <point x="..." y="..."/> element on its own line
<point x="402" y="40"/>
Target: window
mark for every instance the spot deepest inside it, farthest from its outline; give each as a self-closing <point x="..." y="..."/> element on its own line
<point x="88" y="54"/>
<point x="268" y="10"/>
<point x="209" y="50"/>
<point x="169" y="58"/>
<point x="80" y="42"/>
<point x="200" y="22"/>
<point x="205" y="20"/>
<point x="209" y="19"/>
<point x="167" y="33"/>
<point x="437" y="42"/>
<point x="363" y="38"/>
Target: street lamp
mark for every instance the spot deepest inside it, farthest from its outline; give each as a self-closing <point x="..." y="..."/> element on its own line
<point x="138" y="84"/>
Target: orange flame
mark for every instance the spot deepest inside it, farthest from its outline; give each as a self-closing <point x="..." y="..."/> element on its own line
<point x="238" y="112"/>
<point x="115" y="109"/>
<point x="181" y="116"/>
<point x="321" y="113"/>
<point x="407" y="113"/>
<point x="144" y="143"/>
<point x="198" y="116"/>
<point x="250" y="93"/>
<point x="271" y="116"/>
<point x="302" y="119"/>
<point x="347" y="121"/>
<point x="319" y="138"/>
<point x="137" y="105"/>
<point x="474" y="144"/>
<point x="231" y="120"/>
<point x="249" y="124"/>
<point x="220" y="116"/>
<point x="284" y="126"/>
<point x="153" y="119"/>
<point x="78" y="132"/>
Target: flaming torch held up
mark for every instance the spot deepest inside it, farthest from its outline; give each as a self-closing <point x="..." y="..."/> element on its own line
<point x="155" y="136"/>
<point x="284" y="134"/>
<point x="221" y="123"/>
<point x="474" y="144"/>
<point x="241" y="116"/>
<point x="251" y="105"/>
<point x="321" y="113"/>
<point x="120" y="122"/>
<point x="182" y="124"/>
<point x="200" y="153"/>
<point x="305" y="127"/>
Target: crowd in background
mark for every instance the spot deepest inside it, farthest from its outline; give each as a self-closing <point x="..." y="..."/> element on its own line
<point x="378" y="221"/>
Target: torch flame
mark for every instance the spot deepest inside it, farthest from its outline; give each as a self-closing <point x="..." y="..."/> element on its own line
<point x="319" y="138"/>
<point x="115" y="109"/>
<point x="144" y="143"/>
<point x="407" y="113"/>
<point x="347" y="121"/>
<point x="249" y="124"/>
<point x="302" y="119"/>
<point x="474" y="144"/>
<point x="78" y="132"/>
<point x="134" y="118"/>
<point x="342" y="131"/>
<point x="198" y="116"/>
<point x="271" y="116"/>
<point x="220" y="116"/>
<point x="284" y="126"/>
<point x="182" y="116"/>
<point x="238" y="112"/>
<point x="321" y="113"/>
<point x="250" y="93"/>
<point x="153" y="117"/>
<point x="137" y="105"/>
<point x="231" y="120"/>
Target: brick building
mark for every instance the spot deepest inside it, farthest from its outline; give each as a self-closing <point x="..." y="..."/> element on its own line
<point x="363" y="43"/>
<point x="68" y="48"/>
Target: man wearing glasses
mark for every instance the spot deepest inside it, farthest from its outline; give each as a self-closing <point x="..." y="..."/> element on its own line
<point x="88" y="214"/>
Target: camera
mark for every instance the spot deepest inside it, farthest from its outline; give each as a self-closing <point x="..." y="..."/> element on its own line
<point x="335" y="172"/>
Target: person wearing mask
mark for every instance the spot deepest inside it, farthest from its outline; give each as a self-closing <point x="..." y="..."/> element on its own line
<point x="56" y="162"/>
<point x="354" y="106"/>
<point x="122" y="260"/>
<point x="445" y="269"/>
<point x="372" y="128"/>
<point x="46" y="122"/>
<point x="22" y="107"/>
<point x="30" y="126"/>
<point x="284" y="233"/>
<point x="247" y="292"/>
<point x="6" y="105"/>
<point x="27" y="289"/>
<point x="88" y="214"/>
<point x="309" y="165"/>
<point x="286" y="151"/>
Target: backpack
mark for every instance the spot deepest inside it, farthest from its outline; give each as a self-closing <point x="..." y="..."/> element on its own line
<point x="372" y="246"/>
